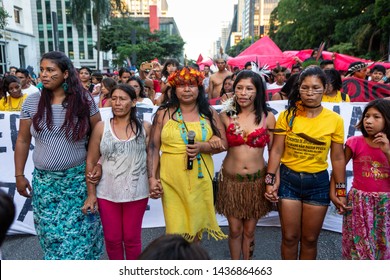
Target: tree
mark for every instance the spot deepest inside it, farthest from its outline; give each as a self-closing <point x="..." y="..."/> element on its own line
<point x="358" y="27"/>
<point x="117" y="37"/>
<point x="3" y="18"/>
<point x="100" y="13"/>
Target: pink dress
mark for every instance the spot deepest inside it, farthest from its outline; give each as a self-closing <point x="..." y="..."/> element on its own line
<point x="366" y="228"/>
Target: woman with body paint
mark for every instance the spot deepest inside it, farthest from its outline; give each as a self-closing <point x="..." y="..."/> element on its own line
<point x="60" y="119"/>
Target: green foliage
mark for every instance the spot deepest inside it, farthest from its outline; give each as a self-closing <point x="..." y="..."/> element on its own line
<point x="359" y="28"/>
<point x="242" y="45"/>
<point x="121" y="32"/>
<point x="3" y="17"/>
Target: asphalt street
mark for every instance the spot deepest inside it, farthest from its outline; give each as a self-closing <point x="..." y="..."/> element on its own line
<point x="26" y="247"/>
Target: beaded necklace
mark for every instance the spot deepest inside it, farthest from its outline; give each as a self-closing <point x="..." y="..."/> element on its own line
<point x="183" y="134"/>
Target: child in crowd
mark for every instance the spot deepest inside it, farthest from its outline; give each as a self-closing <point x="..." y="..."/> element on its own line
<point x="11" y="96"/>
<point x="366" y="227"/>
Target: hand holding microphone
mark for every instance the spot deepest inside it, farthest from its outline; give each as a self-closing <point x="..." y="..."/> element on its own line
<point x="191" y="141"/>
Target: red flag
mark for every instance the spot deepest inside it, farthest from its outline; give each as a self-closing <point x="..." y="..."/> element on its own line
<point x="200" y="59"/>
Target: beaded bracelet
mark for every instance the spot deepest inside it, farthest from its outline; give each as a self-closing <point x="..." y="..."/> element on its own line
<point x="341" y="190"/>
<point x="19" y="175"/>
<point x="269" y="179"/>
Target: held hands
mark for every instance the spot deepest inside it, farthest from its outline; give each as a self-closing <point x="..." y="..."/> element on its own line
<point x="271" y="193"/>
<point x="341" y="204"/>
<point x="155" y="188"/>
<point x="95" y="175"/>
<point x="23" y="186"/>
<point x="91" y="204"/>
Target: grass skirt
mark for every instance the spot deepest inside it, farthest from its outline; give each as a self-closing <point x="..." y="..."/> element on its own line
<point x="242" y="197"/>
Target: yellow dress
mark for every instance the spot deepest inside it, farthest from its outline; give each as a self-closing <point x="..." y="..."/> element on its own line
<point x="187" y="200"/>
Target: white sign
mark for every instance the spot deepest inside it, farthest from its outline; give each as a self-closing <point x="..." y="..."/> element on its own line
<point x="9" y="124"/>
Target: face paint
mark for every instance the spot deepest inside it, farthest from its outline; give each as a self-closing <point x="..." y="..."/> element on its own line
<point x="54" y="77"/>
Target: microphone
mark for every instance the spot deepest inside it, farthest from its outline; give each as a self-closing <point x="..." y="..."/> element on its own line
<point x="191" y="140"/>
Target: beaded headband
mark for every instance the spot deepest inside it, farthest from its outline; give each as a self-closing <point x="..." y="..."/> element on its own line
<point x="186" y="76"/>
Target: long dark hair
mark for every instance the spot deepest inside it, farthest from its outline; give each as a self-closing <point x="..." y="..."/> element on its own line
<point x="77" y="102"/>
<point x="141" y="85"/>
<point x="129" y="90"/>
<point x="383" y="106"/>
<point x="230" y="77"/>
<point x="4" y="86"/>
<point x="201" y="101"/>
<point x="170" y="61"/>
<point x="259" y="102"/>
<point x="295" y="96"/>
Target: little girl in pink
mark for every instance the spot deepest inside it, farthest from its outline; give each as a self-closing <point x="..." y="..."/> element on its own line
<point x="366" y="226"/>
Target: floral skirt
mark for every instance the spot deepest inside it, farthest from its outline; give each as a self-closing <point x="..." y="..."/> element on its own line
<point x="63" y="230"/>
<point x="366" y="228"/>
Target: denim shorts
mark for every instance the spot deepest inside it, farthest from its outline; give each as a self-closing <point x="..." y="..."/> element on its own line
<point x="310" y="188"/>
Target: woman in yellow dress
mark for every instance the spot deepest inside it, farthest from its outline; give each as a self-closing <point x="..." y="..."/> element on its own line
<point x="187" y="194"/>
<point x="11" y="96"/>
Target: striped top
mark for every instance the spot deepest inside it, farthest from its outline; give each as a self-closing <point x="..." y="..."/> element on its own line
<point x="53" y="151"/>
<point x="124" y="177"/>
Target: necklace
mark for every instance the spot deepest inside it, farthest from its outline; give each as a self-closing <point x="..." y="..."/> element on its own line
<point x="312" y="107"/>
<point x="183" y="134"/>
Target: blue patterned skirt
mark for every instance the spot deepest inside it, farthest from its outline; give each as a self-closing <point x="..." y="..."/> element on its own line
<point x="63" y="230"/>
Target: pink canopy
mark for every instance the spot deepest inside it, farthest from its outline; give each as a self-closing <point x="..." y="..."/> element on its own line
<point x="341" y="61"/>
<point x="263" y="51"/>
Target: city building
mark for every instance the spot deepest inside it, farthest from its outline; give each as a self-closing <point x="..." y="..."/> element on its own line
<point x="17" y="39"/>
<point x="251" y="19"/>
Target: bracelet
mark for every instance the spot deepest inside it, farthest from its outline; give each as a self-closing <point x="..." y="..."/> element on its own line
<point x="19" y="175"/>
<point x="341" y="190"/>
<point x="341" y="186"/>
<point x="269" y="179"/>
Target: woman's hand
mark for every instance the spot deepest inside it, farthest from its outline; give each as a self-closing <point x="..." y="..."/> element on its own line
<point x="216" y="143"/>
<point x="383" y="142"/>
<point x="271" y="193"/>
<point x="90" y="203"/>
<point x="155" y="188"/>
<point x="95" y="175"/>
<point x="22" y="185"/>
<point x="341" y="204"/>
<point x="194" y="149"/>
<point x="226" y="96"/>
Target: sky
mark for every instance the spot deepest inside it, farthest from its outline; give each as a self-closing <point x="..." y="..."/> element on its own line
<point x="199" y="23"/>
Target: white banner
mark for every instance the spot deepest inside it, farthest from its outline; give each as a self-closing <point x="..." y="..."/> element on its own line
<point x="9" y="124"/>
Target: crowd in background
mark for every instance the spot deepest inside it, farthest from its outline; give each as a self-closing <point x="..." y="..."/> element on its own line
<point x="101" y="193"/>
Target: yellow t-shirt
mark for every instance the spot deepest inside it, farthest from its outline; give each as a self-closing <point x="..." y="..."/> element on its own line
<point x="335" y="99"/>
<point x="302" y="155"/>
<point x="12" y="104"/>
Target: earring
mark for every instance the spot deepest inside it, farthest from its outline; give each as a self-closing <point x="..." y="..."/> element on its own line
<point x="65" y="86"/>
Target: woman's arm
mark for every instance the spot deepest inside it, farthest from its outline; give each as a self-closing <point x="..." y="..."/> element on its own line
<point x="147" y="127"/>
<point x="93" y="156"/>
<point x="214" y="145"/>
<point x="22" y="148"/>
<point x="153" y="158"/>
<point x="273" y="166"/>
<point x="339" y="164"/>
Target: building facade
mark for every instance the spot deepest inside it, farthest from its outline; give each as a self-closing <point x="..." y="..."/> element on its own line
<point x="17" y="39"/>
<point x="77" y="43"/>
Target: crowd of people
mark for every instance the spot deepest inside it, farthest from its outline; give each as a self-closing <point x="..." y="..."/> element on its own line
<point x="93" y="177"/>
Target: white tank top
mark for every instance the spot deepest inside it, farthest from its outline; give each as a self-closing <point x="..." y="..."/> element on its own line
<point x="124" y="175"/>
